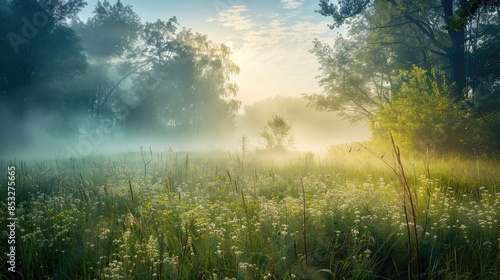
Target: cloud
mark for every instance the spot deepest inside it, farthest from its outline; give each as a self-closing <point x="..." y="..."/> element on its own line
<point x="291" y="4"/>
<point x="233" y="18"/>
<point x="274" y="59"/>
<point x="272" y="49"/>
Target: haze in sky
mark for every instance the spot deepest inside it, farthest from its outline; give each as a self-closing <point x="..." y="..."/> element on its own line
<point x="270" y="40"/>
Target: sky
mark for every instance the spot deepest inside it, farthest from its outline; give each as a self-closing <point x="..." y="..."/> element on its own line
<point x="270" y="39"/>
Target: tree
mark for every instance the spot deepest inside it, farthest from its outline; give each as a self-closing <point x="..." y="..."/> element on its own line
<point x="485" y="72"/>
<point x="214" y="106"/>
<point x="111" y="69"/>
<point x="423" y="116"/>
<point x="39" y="50"/>
<point x="40" y="56"/>
<point x="180" y="80"/>
<point x="442" y="23"/>
<point x="109" y="37"/>
<point x="111" y="31"/>
<point x="193" y="95"/>
<point x="360" y="72"/>
<point x="277" y="134"/>
<point x="353" y="87"/>
<point x="447" y="38"/>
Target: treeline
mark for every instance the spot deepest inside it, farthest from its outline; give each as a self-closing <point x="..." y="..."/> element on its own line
<point x="426" y="71"/>
<point x="112" y="72"/>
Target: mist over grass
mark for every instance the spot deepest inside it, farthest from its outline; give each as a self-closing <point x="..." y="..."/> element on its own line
<point x="161" y="213"/>
<point x="47" y="134"/>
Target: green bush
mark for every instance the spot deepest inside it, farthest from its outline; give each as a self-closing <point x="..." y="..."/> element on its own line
<point x="422" y="116"/>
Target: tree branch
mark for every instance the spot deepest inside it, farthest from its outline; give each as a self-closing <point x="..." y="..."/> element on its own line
<point x="115" y="86"/>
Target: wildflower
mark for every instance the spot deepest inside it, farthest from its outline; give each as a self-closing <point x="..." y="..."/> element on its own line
<point x="243" y="265"/>
<point x="367" y="253"/>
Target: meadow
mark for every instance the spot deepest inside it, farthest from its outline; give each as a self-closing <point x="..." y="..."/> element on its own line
<point x="344" y="214"/>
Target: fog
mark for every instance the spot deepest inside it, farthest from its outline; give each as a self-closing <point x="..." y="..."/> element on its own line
<point x="114" y="83"/>
<point x="312" y="130"/>
<point x="41" y="135"/>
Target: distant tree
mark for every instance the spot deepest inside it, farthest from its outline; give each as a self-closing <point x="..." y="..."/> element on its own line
<point x="111" y="31"/>
<point x="277" y="134"/>
<point x="320" y="128"/>
<point x="214" y="105"/>
<point x="192" y="95"/>
<point x="109" y="37"/>
<point x="244" y="144"/>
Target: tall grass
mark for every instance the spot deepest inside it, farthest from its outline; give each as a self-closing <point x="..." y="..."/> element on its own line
<point x="218" y="215"/>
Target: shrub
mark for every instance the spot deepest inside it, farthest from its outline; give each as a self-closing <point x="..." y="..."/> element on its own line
<point x="422" y="116"/>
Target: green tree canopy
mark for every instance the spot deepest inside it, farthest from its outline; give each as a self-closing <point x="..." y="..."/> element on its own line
<point x="366" y="75"/>
<point x="423" y="116"/>
<point x="39" y="49"/>
<point x="443" y="28"/>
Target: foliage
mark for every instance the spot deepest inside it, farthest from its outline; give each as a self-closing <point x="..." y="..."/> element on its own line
<point x="37" y="54"/>
<point x="422" y="116"/>
<point x="186" y="91"/>
<point x="40" y="54"/>
<point x="450" y="39"/>
<point x="356" y="78"/>
<point x="428" y="31"/>
<point x="277" y="134"/>
<point x="112" y="30"/>
<point x="111" y="73"/>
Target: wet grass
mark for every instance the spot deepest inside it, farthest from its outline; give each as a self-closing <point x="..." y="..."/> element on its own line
<point x="222" y="215"/>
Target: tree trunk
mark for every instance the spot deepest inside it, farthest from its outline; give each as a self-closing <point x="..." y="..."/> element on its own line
<point x="456" y="52"/>
<point x="457" y="65"/>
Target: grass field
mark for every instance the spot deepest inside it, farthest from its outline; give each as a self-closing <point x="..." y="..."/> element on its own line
<point x="227" y="215"/>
